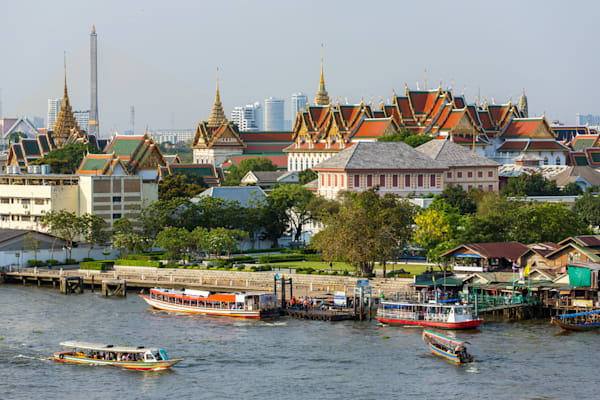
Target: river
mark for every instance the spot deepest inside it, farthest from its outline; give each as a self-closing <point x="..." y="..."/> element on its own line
<point x="284" y="358"/>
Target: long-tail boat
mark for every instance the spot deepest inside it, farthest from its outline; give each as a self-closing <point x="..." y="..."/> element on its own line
<point x="128" y="357"/>
<point x="451" y="349"/>
<point x="582" y="321"/>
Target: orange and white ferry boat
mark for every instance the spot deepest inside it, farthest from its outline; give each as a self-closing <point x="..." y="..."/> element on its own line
<point x="241" y="305"/>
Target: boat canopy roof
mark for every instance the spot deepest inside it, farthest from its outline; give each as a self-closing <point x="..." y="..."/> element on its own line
<point x="74" y="344"/>
<point x="442" y="338"/>
<point x="578" y="314"/>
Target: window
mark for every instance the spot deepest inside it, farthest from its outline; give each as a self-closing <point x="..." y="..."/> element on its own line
<point x="116" y="199"/>
<point x="369" y="180"/>
<point x="116" y="216"/>
<point x="432" y="181"/>
<point x="459" y="174"/>
<point x="322" y="180"/>
<point x="328" y="180"/>
<point x="490" y="174"/>
<point x="342" y="180"/>
<point x="449" y="175"/>
<point x="557" y="160"/>
<point x="25" y="218"/>
<point x="395" y="180"/>
<point x="470" y="187"/>
<point x="407" y="181"/>
<point x="420" y="180"/>
<point x="40" y="202"/>
<point x="480" y="174"/>
<point x="382" y="181"/>
<point x="335" y="180"/>
<point x="5" y="200"/>
<point x="470" y="174"/>
<point x="25" y="201"/>
<point x="356" y="181"/>
<point x="490" y="188"/>
<point x="480" y="187"/>
<point x="545" y="160"/>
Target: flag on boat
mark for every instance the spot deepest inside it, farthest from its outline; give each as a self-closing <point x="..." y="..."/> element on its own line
<point x="515" y="266"/>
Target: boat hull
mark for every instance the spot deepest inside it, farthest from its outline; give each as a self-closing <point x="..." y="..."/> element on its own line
<point x="66" y="357"/>
<point x="165" y="306"/>
<point x="576" y="327"/>
<point x="444" y="354"/>
<point x="471" y="324"/>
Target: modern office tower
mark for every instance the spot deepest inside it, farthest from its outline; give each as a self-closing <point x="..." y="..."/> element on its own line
<point x="83" y="118"/>
<point x="53" y="109"/>
<point x="587" y="119"/>
<point x="38" y="122"/>
<point x="299" y="101"/>
<point x="93" y="114"/>
<point x="274" y="109"/>
<point x="248" y="118"/>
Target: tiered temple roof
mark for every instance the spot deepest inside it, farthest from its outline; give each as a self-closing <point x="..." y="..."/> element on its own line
<point x="65" y="124"/>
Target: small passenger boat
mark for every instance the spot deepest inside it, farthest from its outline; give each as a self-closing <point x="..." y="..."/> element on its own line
<point x="437" y="315"/>
<point x="582" y="321"/>
<point x="129" y="357"/>
<point x="242" y="305"/>
<point x="448" y="348"/>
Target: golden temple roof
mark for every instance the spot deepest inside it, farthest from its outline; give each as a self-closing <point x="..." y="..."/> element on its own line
<point x="322" y="97"/>
<point x="65" y="123"/>
<point x="217" y="115"/>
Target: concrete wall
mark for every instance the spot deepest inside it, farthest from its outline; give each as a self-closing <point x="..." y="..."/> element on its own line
<point x="79" y="253"/>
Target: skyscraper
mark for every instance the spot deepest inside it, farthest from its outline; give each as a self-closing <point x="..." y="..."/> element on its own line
<point x="83" y="118"/>
<point x="299" y="101"/>
<point x="274" y="109"/>
<point x="53" y="109"/>
<point x="93" y="116"/>
<point x="248" y="118"/>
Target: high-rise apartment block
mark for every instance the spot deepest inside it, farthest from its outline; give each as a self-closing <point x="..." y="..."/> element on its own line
<point x="248" y="118"/>
<point x="53" y="109"/>
<point x="83" y="118"/>
<point x="299" y="102"/>
<point x="274" y="111"/>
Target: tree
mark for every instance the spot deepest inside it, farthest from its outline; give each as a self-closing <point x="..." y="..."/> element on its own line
<point x="31" y="243"/>
<point x="130" y="242"/>
<point x="433" y="227"/>
<point x="95" y="230"/>
<point x="456" y="197"/>
<point x="65" y="225"/>
<point x="410" y="138"/>
<point x="236" y="174"/>
<point x="588" y="208"/>
<point x="572" y="189"/>
<point x="530" y="185"/>
<point x="13" y="137"/>
<point x="289" y="204"/>
<point x="122" y="225"/>
<point x="174" y="240"/>
<point x="180" y="185"/>
<point x="219" y="240"/>
<point x="66" y="160"/>
<point x="306" y="176"/>
<point x="366" y="229"/>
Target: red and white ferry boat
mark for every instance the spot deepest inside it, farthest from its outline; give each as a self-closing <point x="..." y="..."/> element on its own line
<point x="243" y="305"/>
<point x="438" y="315"/>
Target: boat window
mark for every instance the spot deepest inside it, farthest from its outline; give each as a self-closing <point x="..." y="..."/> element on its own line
<point x="149" y="357"/>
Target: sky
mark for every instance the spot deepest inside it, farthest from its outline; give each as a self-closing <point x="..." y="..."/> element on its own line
<point x="161" y="56"/>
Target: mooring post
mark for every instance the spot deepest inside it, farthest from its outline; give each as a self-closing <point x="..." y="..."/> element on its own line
<point x="291" y="289"/>
<point x="92" y="283"/>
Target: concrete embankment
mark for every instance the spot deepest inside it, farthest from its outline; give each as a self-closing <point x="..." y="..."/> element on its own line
<point x="144" y="277"/>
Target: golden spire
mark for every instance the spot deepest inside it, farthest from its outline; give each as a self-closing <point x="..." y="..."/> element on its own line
<point x="65" y="123"/>
<point x="217" y="115"/>
<point x="425" y="80"/>
<point x="93" y="29"/>
<point x="322" y="97"/>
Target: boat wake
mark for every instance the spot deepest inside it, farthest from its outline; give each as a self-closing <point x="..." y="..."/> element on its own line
<point x="22" y="356"/>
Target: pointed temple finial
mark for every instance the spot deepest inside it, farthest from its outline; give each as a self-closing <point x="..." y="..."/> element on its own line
<point x="217" y="115"/>
<point x="65" y="124"/>
<point x="425" y="80"/>
<point x="523" y="105"/>
<point x="322" y="97"/>
<point x="65" y="70"/>
<point x="93" y="29"/>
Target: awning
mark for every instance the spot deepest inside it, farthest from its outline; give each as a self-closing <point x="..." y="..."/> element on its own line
<point x="466" y="255"/>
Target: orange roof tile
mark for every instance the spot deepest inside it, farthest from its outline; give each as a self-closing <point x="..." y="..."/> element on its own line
<point x="372" y="127"/>
<point x="521" y="127"/>
<point x="513" y="145"/>
<point x="537" y="145"/>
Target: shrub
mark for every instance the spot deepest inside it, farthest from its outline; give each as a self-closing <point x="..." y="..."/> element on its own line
<point x="96" y="265"/>
<point x="280" y="258"/>
<point x="346" y="273"/>
<point x="241" y="268"/>
<point x="52" y="262"/>
<point x="88" y="259"/>
<point x="139" y="263"/>
<point x="313" y="257"/>
<point x="35" y="263"/>
<point x="70" y="261"/>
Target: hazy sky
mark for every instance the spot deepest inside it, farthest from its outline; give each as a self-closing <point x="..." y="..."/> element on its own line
<point x="161" y="56"/>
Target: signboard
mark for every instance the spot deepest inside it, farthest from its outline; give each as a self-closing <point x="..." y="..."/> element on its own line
<point x="582" y="303"/>
<point x="339" y="299"/>
<point x="362" y="283"/>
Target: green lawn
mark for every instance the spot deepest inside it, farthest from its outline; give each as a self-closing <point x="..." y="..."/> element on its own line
<point x="413" y="269"/>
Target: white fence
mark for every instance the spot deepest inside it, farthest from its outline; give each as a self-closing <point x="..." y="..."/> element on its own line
<point x="20" y="258"/>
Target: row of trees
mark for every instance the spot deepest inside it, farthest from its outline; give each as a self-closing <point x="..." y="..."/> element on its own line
<point x="538" y="185"/>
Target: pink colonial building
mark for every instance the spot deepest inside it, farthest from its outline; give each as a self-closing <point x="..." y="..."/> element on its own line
<point x="393" y="167"/>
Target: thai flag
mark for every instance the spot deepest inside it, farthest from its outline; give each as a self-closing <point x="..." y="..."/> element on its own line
<point x="515" y="266"/>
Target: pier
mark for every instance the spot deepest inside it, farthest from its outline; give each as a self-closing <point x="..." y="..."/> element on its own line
<point x="320" y="315"/>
